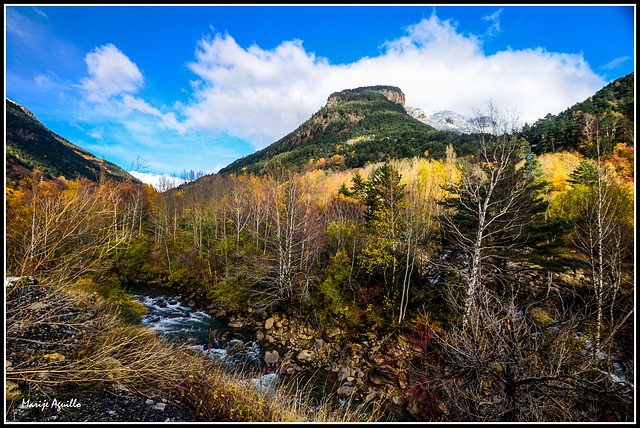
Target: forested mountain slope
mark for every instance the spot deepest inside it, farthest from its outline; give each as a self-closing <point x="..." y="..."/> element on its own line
<point x="356" y="126"/>
<point x="613" y="105"/>
<point x="30" y="145"/>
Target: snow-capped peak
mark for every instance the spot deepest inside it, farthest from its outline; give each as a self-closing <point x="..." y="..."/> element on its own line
<point x="444" y="120"/>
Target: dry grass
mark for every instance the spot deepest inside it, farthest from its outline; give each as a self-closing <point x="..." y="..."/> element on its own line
<point x="111" y="352"/>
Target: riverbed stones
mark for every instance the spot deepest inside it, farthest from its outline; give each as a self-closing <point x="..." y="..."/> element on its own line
<point x="259" y="335"/>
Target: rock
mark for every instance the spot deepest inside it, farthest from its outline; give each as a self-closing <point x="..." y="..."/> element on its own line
<point x="379" y="376"/>
<point x="343" y="373"/>
<point x="332" y="334"/>
<point x="7" y="363"/>
<point x="54" y="357"/>
<point x="12" y="391"/>
<point x="191" y="303"/>
<point x="236" y="324"/>
<point x="305" y="356"/>
<point x="268" y="324"/>
<point x="278" y="324"/>
<point x="159" y="406"/>
<point x="319" y="344"/>
<point x="346" y="390"/>
<point x="259" y="335"/>
<point x="271" y="357"/>
<point x="540" y="316"/>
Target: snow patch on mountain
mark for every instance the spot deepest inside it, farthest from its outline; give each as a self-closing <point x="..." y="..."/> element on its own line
<point x="444" y="120"/>
<point x="159" y="182"/>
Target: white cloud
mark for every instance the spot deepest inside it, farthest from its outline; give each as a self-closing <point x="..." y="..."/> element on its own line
<point x="167" y="120"/>
<point x="616" y="63"/>
<point x="41" y="13"/>
<point x="495" y="19"/>
<point x="110" y="73"/>
<point x="264" y="94"/>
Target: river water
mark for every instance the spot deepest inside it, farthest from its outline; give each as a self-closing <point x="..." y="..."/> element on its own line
<point x="177" y="322"/>
<point x="168" y="314"/>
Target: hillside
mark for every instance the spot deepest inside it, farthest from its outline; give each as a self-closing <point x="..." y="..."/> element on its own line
<point x="30" y="145"/>
<point x="356" y="126"/>
<point x="614" y="104"/>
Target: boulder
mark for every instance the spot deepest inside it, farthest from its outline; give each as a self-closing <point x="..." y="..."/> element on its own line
<point x="343" y="373"/>
<point x="236" y="324"/>
<point x="305" y="356"/>
<point x="271" y="357"/>
<point x="259" y="335"/>
<point x="380" y="376"/>
<point x="332" y="334"/>
<point x="345" y="390"/>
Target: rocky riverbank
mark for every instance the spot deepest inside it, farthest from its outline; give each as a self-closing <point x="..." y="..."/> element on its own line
<point x="355" y="367"/>
<point x="46" y="330"/>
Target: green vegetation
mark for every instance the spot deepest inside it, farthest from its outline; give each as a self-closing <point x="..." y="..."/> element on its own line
<point x="31" y="146"/>
<point x="491" y="264"/>
<point x="361" y="127"/>
<point x="614" y="104"/>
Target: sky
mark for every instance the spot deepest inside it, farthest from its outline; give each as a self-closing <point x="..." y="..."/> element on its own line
<point x="165" y="89"/>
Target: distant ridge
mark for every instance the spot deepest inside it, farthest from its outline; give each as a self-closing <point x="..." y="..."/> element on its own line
<point x="30" y="145"/>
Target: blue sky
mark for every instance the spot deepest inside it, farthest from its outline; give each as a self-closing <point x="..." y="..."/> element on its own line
<point x="196" y="87"/>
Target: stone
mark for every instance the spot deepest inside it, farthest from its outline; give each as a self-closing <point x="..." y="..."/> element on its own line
<point x="259" y="335"/>
<point x="268" y="324"/>
<point x="159" y="406"/>
<point x="12" y="391"/>
<point x="191" y="303"/>
<point x="278" y="324"/>
<point x="345" y="390"/>
<point x="54" y="357"/>
<point x="332" y="334"/>
<point x="343" y="373"/>
<point x="236" y="324"/>
<point x="271" y="357"/>
<point x="7" y="363"/>
<point x="319" y="344"/>
<point x="305" y="356"/>
<point x="379" y="376"/>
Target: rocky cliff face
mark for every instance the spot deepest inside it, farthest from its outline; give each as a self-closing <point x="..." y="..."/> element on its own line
<point x="392" y="93"/>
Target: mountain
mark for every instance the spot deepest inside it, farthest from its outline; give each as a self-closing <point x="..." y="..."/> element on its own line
<point x="30" y="145"/>
<point x="356" y="126"/>
<point x="614" y="104"/>
<point x="444" y="120"/>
